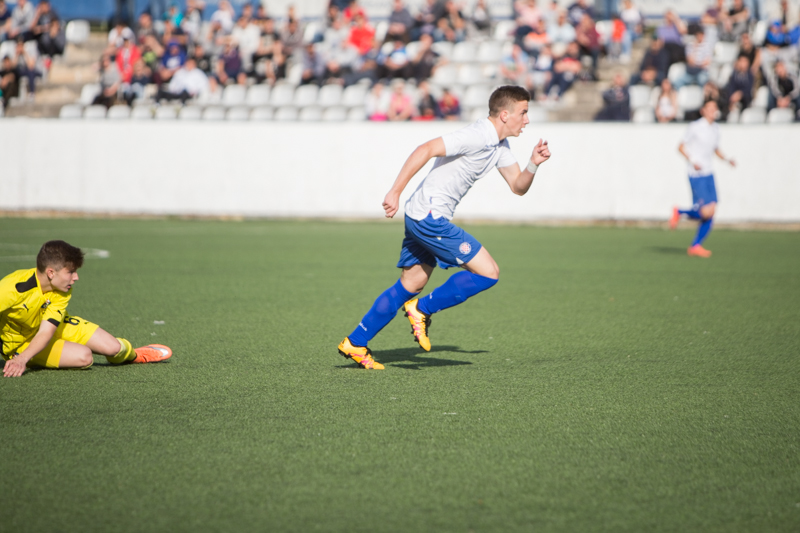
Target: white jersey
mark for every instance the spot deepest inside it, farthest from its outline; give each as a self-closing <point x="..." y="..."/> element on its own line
<point x="471" y="153"/>
<point x="700" y="143"/>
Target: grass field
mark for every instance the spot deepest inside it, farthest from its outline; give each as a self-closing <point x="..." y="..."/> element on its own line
<point x="607" y="383"/>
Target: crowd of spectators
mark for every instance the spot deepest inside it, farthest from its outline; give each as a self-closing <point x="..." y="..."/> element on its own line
<point x="36" y="35"/>
<point x="772" y="64"/>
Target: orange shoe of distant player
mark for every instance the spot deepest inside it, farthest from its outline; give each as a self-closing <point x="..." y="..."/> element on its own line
<point x="152" y="353"/>
<point x="673" y="220"/>
<point x="698" y="251"/>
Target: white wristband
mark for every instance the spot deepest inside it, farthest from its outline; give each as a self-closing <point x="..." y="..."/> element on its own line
<point x="532" y="167"/>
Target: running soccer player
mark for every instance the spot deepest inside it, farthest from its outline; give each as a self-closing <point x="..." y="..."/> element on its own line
<point x="35" y="329"/>
<point x="462" y="158"/>
<point x="699" y="144"/>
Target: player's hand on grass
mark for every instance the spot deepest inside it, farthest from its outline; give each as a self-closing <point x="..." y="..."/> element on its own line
<point x="14" y="368"/>
<point x="541" y="153"/>
<point x="391" y="203"/>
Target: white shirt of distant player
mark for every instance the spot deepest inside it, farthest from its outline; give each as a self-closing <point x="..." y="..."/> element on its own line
<point x="700" y="143"/>
<point x="471" y="153"/>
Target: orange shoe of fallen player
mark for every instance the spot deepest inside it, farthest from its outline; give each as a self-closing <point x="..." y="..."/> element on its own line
<point x="673" y="220"/>
<point x="698" y="251"/>
<point x="152" y="353"/>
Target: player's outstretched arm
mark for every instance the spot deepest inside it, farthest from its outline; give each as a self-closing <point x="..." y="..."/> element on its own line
<point x="16" y="367"/>
<point x="520" y="182"/>
<point x="417" y="160"/>
<point x="682" y="150"/>
<point x="731" y="162"/>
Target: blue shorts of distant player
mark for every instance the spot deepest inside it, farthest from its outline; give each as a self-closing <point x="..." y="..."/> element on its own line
<point x="703" y="190"/>
<point x="436" y="240"/>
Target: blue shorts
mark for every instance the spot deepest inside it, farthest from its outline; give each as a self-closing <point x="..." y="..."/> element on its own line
<point x="703" y="190"/>
<point x="436" y="240"/>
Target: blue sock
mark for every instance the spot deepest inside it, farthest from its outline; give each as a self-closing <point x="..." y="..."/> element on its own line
<point x="382" y="312"/>
<point x="454" y="291"/>
<point x="702" y="231"/>
<point x="691" y="213"/>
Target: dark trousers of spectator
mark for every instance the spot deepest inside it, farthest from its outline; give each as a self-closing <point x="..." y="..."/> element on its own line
<point x="49" y="46"/>
<point x="675" y="52"/>
<point x="183" y="96"/>
<point x="102" y="99"/>
<point x="29" y="74"/>
<point x="405" y="72"/>
<point x="772" y="102"/>
<point x="10" y="91"/>
<point x="616" y="112"/>
<point x="595" y="55"/>
<point x="562" y="80"/>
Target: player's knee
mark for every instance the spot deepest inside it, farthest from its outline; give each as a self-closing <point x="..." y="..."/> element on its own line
<point x="83" y="358"/>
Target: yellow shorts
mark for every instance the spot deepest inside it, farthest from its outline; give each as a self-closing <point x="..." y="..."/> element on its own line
<point x="71" y="329"/>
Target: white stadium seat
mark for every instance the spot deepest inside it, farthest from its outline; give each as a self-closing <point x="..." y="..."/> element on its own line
<point x="77" y="31"/>
<point x="443" y="48"/>
<point x="444" y="75"/>
<point x="119" y="112"/>
<point x="281" y="94"/>
<point x="464" y="52"/>
<point x="477" y="96"/>
<point x="257" y="95"/>
<point x="780" y="116"/>
<point x="312" y="113"/>
<point x="380" y="30"/>
<point x="724" y="74"/>
<point x="190" y="112"/>
<point x="214" y="113"/>
<point x="643" y="115"/>
<point x="262" y="113"/>
<point x="330" y="95"/>
<point x="753" y="115"/>
<point x="490" y="52"/>
<point x="357" y="114"/>
<point x="287" y="113"/>
<point x="470" y="74"/>
<point x="759" y="32"/>
<point x="71" y="111"/>
<point x="639" y="96"/>
<point x="762" y="97"/>
<point x="355" y="95"/>
<point x="725" y="52"/>
<point x="305" y="95"/>
<point x="690" y="98"/>
<point x="94" y="112"/>
<point x="234" y="95"/>
<point x="89" y="92"/>
<point x="238" y="113"/>
<point x="604" y="28"/>
<point x="503" y="29"/>
<point x="476" y="113"/>
<point x="536" y="114"/>
<point x="412" y="49"/>
<point x="142" y="112"/>
<point x="676" y="72"/>
<point x="335" y="114"/>
<point x="166" y="112"/>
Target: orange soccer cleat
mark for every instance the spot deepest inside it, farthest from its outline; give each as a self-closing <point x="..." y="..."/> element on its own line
<point x="673" y="220"/>
<point x="698" y="251"/>
<point x="152" y="353"/>
<point x="420" y="323"/>
<point x="359" y="354"/>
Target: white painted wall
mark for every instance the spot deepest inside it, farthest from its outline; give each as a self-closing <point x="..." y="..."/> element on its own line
<point x="598" y="171"/>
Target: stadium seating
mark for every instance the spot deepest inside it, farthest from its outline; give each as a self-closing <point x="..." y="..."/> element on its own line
<point x="142" y="112"/>
<point x="305" y="95"/>
<point x="119" y="112"/>
<point x="94" y="112"/>
<point x="753" y="115"/>
<point x="77" y="31"/>
<point x="643" y="115"/>
<point x="238" y="113"/>
<point x="761" y="98"/>
<point x="639" y="96"/>
<point x="469" y="74"/>
<point x="357" y="114"/>
<point x="443" y="48"/>
<point x="89" y="92"/>
<point x="281" y="94"/>
<point x="214" y="113"/>
<point x="71" y="111"/>
<point x="780" y="116"/>
<point x="536" y="114"/>
<point x="464" y="52"/>
<point x="8" y="49"/>
<point x="354" y="95"/>
<point x="335" y="114"/>
<point x="190" y="112"/>
<point x="503" y="29"/>
<point x="166" y="112"/>
<point x="234" y="95"/>
<point x="445" y="75"/>
<point x="725" y="53"/>
<point x="490" y="52"/>
<point x="690" y="98"/>
<point x="257" y="95"/>
<point x="676" y="72"/>
<point x="312" y="113"/>
<point x="262" y="113"/>
<point x="330" y="95"/>
<point x="286" y="113"/>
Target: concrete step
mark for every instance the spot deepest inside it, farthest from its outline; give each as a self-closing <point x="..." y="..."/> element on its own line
<point x="33" y="110"/>
<point x="64" y="74"/>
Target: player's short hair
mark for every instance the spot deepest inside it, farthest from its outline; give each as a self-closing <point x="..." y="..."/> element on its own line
<point x="58" y="254"/>
<point x="505" y="97"/>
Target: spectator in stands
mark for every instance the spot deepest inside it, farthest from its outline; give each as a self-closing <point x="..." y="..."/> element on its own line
<point x="551" y="13"/>
<point x="561" y="32"/>
<point x="401" y="108"/>
<point x="740" y="85"/>
<point x="616" y="102"/>
<point x="456" y="20"/>
<point x="655" y="65"/>
<point x="193" y="19"/>
<point x="515" y="68"/>
<point x="609" y="9"/>
<point x="53" y="41"/>
<point x="443" y="32"/>
<point x="710" y="92"/>
<point x="187" y="83"/>
<point x="589" y="41"/>
<point x="396" y="64"/>
<point x="377" y="103"/>
<point x="698" y="58"/>
<point x="142" y="77"/>
<point x="536" y="39"/>
<point x="176" y="34"/>
<point x="400" y="22"/>
<point x="171" y="61"/>
<point x="671" y="34"/>
<point x="753" y="54"/>
<point x="425" y="20"/>
<point x="43" y="17"/>
<point x="784" y="90"/>
<point x="426" y="60"/>
<point x="619" y="42"/>
<point x="352" y="10"/>
<point x="735" y="23"/>
<point x="565" y="70"/>
<point x="144" y="28"/>
<point x="9" y="80"/>
<point x="174" y="14"/>
<point x="110" y="82"/>
<point x="21" y="21"/>
<point x="449" y="106"/>
<point x="339" y="56"/>
<point x="528" y="16"/>
<point x="542" y="70"/>
<point x="427" y="108"/>
<point x="118" y="34"/>
<point x="362" y="35"/>
<point x="576" y="12"/>
<point x="667" y="103"/>
<point x="632" y="18"/>
<point x="229" y="66"/>
<point x="247" y="36"/>
<point x="5" y="20"/>
<point x="202" y="59"/>
<point x="313" y="66"/>
<point x="26" y="67"/>
<point x="127" y="56"/>
<point x="223" y="17"/>
<point x="481" y="16"/>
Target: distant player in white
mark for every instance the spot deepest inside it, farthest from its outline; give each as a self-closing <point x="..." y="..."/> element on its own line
<point x="462" y="158"/>
<point x="699" y="146"/>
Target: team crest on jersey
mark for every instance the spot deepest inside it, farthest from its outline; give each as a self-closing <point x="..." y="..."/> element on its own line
<point x="45" y="304"/>
<point x="465" y="248"/>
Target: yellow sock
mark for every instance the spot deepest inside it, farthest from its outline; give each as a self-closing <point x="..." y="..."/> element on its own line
<point x="125" y="355"/>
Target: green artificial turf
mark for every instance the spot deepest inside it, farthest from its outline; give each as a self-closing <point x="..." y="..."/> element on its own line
<point x="607" y="383"/>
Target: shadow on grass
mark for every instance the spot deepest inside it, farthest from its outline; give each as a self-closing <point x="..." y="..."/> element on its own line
<point x="667" y="250"/>
<point x="411" y="359"/>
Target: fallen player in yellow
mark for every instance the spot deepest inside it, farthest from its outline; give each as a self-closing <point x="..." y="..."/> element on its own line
<point x="35" y="329"/>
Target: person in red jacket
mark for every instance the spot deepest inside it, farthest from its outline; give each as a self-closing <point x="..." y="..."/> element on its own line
<point x="127" y="56"/>
<point x="361" y="34"/>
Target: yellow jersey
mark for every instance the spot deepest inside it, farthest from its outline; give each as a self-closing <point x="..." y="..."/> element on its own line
<point x="23" y="307"/>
